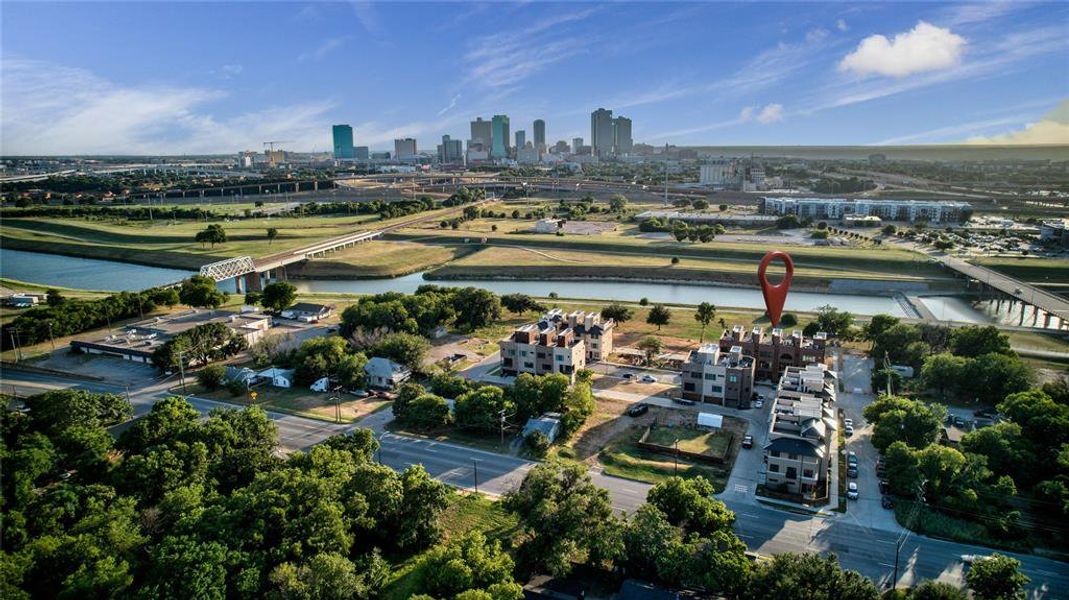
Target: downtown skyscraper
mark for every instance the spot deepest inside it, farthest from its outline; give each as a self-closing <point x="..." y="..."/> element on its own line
<point x="343" y="142"/>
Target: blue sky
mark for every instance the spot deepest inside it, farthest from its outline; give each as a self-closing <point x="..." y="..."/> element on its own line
<point x="182" y="77"/>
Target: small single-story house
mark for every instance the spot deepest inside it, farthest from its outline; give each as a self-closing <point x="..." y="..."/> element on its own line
<point x="243" y="374"/>
<point x="384" y="373"/>
<point x="280" y="378"/>
<point x="548" y="424"/>
<point x="321" y="385"/>
<point x="22" y="300"/>
<point x="308" y="312"/>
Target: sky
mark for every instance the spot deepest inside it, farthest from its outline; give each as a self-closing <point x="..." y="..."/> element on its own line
<point x="196" y="78"/>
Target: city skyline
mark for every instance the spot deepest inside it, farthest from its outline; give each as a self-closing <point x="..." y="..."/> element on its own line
<point x="687" y="74"/>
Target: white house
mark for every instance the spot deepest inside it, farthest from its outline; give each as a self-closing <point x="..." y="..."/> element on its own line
<point x="308" y="312"/>
<point x="383" y="373"/>
<point x="243" y="374"/>
<point x="280" y="378"/>
<point x="321" y="385"/>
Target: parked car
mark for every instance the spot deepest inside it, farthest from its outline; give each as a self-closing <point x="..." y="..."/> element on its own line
<point x="684" y="401"/>
<point x="959" y="422"/>
<point x="887" y="502"/>
<point x="851" y="472"/>
<point x="848" y="430"/>
<point x="848" y="422"/>
<point x="758" y="403"/>
<point x="884" y="486"/>
<point x="851" y="490"/>
<point x="628" y="376"/>
<point x="851" y="458"/>
<point x="747" y="442"/>
<point x="638" y="410"/>
<point x="359" y="393"/>
<point x="648" y="379"/>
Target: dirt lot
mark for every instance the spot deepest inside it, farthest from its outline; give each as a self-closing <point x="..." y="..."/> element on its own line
<point x="646" y="389"/>
<point x="453" y="344"/>
<point x="303" y="402"/>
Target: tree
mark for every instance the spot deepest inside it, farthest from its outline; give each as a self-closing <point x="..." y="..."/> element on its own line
<point x="659" y="315"/>
<point x="943" y="372"/>
<point x="901" y="419"/>
<point x="976" y="340"/>
<point x="705" y="314"/>
<point x="618" y="203"/>
<point x="647" y="536"/>
<point x="788" y="222"/>
<point x="470" y="562"/>
<point x="53" y="297"/>
<point x="889" y="230"/>
<point x="617" y="312"/>
<point x="877" y="325"/>
<point x="278" y="295"/>
<point x="936" y="590"/>
<point x="319" y="357"/>
<point x="211" y="376"/>
<point x="200" y="291"/>
<point x="991" y="377"/>
<point x="534" y="395"/>
<point x="404" y="348"/>
<point x="651" y="346"/>
<point x="186" y="568"/>
<point x="996" y="577"/>
<point x="809" y="577"/>
<point x="476" y="307"/>
<point x="788" y="320"/>
<point x="833" y="321"/>
<point x="213" y="234"/>
<point x="349" y="372"/>
<point x="253" y="298"/>
<point x="55" y="411"/>
<point x="1007" y="450"/>
<point x="565" y="517"/>
<point x="521" y="303"/>
<point x="481" y="408"/>
<point x="272" y="233"/>
<point x="328" y="576"/>
<point x="689" y="503"/>
<point x="428" y="411"/>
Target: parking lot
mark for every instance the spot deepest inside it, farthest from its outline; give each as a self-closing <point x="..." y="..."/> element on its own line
<point x="856" y="374"/>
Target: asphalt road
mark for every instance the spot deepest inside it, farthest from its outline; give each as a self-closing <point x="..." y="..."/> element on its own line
<point x="765" y="530"/>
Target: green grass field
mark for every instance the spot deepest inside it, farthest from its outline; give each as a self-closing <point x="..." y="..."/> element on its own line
<point x="701" y="441"/>
<point x="622" y="458"/>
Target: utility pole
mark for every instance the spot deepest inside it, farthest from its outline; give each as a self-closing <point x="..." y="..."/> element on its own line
<point x="15" y="345"/>
<point x="475" y="463"/>
<point x="675" y="457"/>
<point x="181" y="370"/>
<point x="50" y="337"/>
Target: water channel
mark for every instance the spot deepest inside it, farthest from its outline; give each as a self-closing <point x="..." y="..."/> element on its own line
<point x="93" y="274"/>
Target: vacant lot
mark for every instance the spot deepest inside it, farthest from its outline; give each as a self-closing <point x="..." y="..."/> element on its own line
<point x="715" y="443"/>
<point x="300" y="401"/>
<point x="378" y="259"/>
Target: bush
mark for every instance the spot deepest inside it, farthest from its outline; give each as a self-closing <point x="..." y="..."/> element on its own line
<point x="536" y="445"/>
<point x="211" y="377"/>
<point x="236" y="387"/>
<point x="788" y="320"/>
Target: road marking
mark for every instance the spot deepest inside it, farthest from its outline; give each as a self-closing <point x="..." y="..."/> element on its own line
<point x="740" y="488"/>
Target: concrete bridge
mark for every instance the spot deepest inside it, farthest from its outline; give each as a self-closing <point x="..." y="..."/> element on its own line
<point x="1051" y="308"/>
<point x="251" y="274"/>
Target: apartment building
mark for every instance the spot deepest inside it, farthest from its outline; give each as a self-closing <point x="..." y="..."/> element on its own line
<point x="724" y="378"/>
<point x="557" y="343"/>
<point x="774" y="352"/>
<point x="934" y="211"/>
<point x="801" y="426"/>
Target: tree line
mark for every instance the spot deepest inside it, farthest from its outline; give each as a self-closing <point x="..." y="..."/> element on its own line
<point x="424" y="311"/>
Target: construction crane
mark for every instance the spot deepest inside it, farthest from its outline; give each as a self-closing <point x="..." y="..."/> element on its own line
<point x="271" y="144"/>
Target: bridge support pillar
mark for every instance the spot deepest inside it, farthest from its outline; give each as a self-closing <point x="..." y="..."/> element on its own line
<point x="1046" y="321"/>
<point x="253" y="282"/>
<point x="1035" y="316"/>
<point x="238" y="281"/>
<point x="315" y="185"/>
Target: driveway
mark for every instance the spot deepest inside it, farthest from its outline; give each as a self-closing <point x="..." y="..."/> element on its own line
<point x="866" y="511"/>
<point x="750" y="464"/>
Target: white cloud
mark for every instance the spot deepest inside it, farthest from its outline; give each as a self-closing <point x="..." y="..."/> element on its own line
<point x="53" y="109"/>
<point x="232" y="70"/>
<point x="1053" y="128"/>
<point x="815" y="35"/>
<point x="841" y="25"/>
<point x="504" y="59"/>
<point x="329" y="45"/>
<point x="452" y="104"/>
<point x="771" y="113"/>
<point x="923" y="48"/>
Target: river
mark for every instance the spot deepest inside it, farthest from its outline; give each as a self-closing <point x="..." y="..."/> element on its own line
<point x="93" y="274"/>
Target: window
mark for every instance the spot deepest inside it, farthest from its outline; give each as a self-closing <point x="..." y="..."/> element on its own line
<point x="792" y="473"/>
<point x="807" y="473"/>
<point x="512" y="352"/>
<point x="688" y="387"/>
<point x="773" y="468"/>
<point x="775" y="453"/>
<point x="717" y="389"/>
<point x="528" y="365"/>
<point x="710" y="376"/>
<point x="562" y="357"/>
<point x="791" y="457"/>
<point x="541" y="355"/>
<point x="733" y="378"/>
<point x="523" y="353"/>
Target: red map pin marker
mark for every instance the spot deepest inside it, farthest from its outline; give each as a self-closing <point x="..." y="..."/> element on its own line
<point x="775" y="295"/>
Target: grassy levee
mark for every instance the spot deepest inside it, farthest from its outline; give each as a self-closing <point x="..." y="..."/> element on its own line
<point x="373" y="260"/>
<point x="1032" y="270"/>
<point x="872" y="260"/>
<point x="139" y="256"/>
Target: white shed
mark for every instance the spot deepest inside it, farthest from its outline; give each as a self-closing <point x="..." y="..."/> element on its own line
<point x="710" y="420"/>
<point x="280" y="378"/>
<point x="321" y="385"/>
